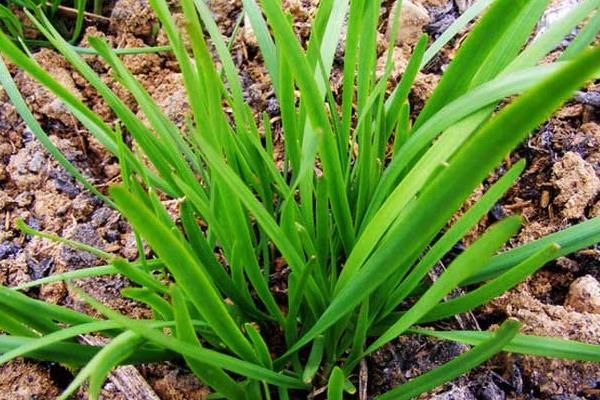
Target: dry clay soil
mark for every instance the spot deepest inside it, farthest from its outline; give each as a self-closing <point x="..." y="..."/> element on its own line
<point x="560" y="186"/>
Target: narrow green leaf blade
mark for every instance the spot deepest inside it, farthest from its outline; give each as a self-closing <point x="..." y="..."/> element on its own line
<point x="456" y="367"/>
<point x="464" y="265"/>
<point x="335" y="386"/>
<point x="570" y="240"/>
<point x="494" y="288"/>
<point x="210" y="375"/>
<point x="526" y="344"/>
<point x="188" y="272"/>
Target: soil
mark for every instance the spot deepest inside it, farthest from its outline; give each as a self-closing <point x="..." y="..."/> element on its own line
<point x="560" y="186"/>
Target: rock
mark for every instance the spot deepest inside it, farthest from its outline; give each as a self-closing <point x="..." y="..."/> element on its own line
<point x="587" y="142"/>
<point x="552" y="376"/>
<point x="149" y="64"/>
<point x="432" y="3"/>
<point x="491" y="391"/>
<point x="556" y="11"/>
<point x="13" y="271"/>
<point x="567" y="264"/>
<point x="463" y="5"/>
<point x="413" y="18"/>
<point x="442" y="17"/>
<point x="584" y="295"/>
<point x="64" y="182"/>
<point x="36" y="163"/>
<point x="591" y="98"/>
<point x="132" y="16"/>
<point x="577" y="182"/>
<point x="8" y="249"/>
<point x="73" y="258"/>
<point x="456" y="393"/>
<point x="27" y="168"/>
<point x="596" y="210"/>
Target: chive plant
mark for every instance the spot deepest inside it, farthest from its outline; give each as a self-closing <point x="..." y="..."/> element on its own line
<point x="357" y="214"/>
<point x="15" y="27"/>
<point x="70" y="26"/>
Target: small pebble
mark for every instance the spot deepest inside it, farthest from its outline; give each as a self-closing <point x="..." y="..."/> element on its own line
<point x="584" y="295"/>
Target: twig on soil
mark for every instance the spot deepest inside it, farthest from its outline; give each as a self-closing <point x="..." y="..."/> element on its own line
<point x="363" y="377"/>
<point x="466" y="320"/>
<point x="126" y="378"/>
<point x="591" y="98"/>
<point x="132" y="384"/>
<point x="317" y="392"/>
<point x="71" y="12"/>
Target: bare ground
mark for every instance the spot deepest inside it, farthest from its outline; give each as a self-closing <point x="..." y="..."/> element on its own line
<point x="560" y="186"/>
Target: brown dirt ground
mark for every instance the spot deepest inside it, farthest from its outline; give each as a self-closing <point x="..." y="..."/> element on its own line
<point x="560" y="186"/>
